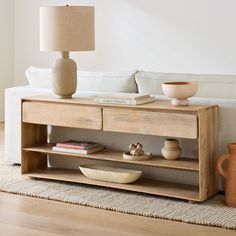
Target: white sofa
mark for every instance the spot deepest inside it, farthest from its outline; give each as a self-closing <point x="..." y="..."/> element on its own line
<point x="213" y="89"/>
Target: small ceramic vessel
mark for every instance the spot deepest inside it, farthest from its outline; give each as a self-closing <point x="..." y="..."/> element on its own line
<point x="171" y="149"/>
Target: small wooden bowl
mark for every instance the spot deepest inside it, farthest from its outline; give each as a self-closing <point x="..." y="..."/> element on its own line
<point x="146" y="156"/>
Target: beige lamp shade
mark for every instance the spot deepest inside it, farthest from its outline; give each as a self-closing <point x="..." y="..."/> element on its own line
<point x="67" y="28"/>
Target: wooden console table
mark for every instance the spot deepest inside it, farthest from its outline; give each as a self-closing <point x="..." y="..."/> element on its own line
<point x="198" y="122"/>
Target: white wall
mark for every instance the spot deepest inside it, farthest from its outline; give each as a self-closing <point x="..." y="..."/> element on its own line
<point x="6" y="49"/>
<point x="156" y="35"/>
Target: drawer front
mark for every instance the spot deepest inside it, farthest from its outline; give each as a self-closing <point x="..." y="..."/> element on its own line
<point x="153" y="123"/>
<point x="67" y="115"/>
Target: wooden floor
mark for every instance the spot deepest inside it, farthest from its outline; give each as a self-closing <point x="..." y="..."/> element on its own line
<point x="23" y="216"/>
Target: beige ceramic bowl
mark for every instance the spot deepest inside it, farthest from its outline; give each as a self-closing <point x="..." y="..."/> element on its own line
<point x="179" y="92"/>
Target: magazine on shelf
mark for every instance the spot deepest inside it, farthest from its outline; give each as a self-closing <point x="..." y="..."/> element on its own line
<point x="73" y="144"/>
<point x="78" y="151"/>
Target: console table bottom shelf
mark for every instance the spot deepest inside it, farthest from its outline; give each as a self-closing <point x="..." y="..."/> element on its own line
<point x="155" y="187"/>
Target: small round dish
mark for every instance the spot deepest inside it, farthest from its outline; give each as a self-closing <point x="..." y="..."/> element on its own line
<point x="146" y="156"/>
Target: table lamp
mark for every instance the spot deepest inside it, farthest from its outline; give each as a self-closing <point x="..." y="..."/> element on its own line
<point x="65" y="29"/>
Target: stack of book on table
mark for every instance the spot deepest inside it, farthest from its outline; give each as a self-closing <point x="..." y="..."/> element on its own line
<point x="124" y="98"/>
<point x="78" y="147"/>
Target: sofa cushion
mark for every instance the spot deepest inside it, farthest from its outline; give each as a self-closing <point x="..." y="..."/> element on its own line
<point x="211" y="86"/>
<point x="39" y="77"/>
<point x="122" y="82"/>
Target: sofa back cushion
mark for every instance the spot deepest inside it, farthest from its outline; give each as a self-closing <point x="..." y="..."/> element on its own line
<point x="39" y="77"/>
<point x="215" y="86"/>
<point x="120" y="82"/>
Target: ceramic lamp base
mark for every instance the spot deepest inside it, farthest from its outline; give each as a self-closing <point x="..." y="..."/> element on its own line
<point x="64" y="76"/>
<point x="180" y="102"/>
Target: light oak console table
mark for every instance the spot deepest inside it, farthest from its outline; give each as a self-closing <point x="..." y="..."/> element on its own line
<point x="159" y="118"/>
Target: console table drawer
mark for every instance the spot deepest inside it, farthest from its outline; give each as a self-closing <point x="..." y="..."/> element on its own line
<point x="62" y="115"/>
<point x="148" y="122"/>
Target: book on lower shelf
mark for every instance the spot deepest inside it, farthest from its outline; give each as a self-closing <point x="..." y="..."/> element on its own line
<point x="78" y="151"/>
<point x="74" y="144"/>
<point x="123" y="98"/>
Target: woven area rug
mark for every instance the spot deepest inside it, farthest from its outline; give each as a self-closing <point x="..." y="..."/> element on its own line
<point x="211" y="213"/>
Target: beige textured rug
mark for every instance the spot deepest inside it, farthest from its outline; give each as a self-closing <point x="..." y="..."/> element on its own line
<point x="211" y="213"/>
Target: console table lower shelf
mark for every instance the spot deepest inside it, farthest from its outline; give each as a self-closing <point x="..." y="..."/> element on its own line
<point x="155" y="187"/>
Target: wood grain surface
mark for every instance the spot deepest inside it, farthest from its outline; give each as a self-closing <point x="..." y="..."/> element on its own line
<point x="158" y="105"/>
<point x="208" y="145"/>
<point x="154" y="187"/>
<point x="190" y="164"/>
<point x="67" y="115"/>
<point x="152" y="123"/>
<point x="27" y="216"/>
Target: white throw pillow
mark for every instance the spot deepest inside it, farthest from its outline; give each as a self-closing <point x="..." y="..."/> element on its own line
<point x="211" y="86"/>
<point x="122" y="82"/>
<point x="39" y="77"/>
<point x="119" y="82"/>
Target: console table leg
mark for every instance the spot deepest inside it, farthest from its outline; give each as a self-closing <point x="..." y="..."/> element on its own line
<point x="32" y="134"/>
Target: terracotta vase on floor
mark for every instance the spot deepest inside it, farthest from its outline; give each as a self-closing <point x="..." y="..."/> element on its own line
<point x="229" y="174"/>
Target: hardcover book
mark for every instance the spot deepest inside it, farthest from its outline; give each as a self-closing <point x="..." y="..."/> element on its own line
<point x="78" y="151"/>
<point x="124" y="96"/>
<point x="123" y="100"/>
<point x="73" y="144"/>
